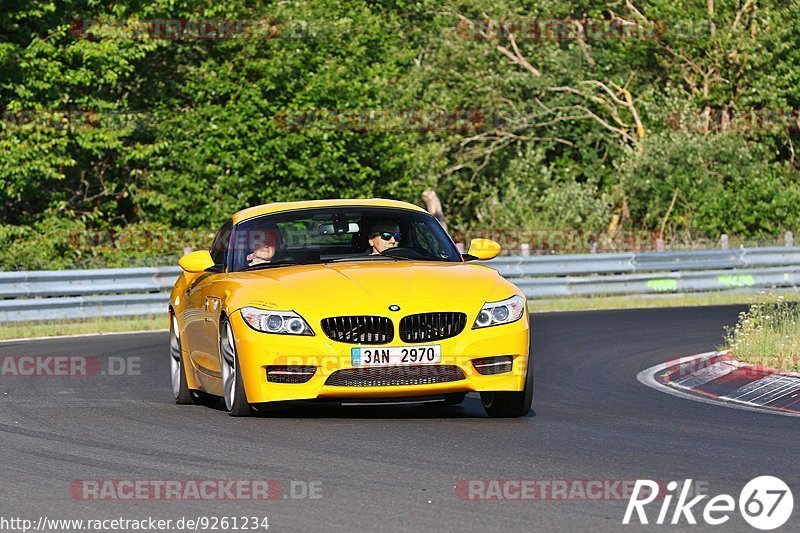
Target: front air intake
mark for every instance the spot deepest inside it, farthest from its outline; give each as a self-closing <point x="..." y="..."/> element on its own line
<point x="359" y="329"/>
<point x="426" y="327"/>
<point x="395" y="376"/>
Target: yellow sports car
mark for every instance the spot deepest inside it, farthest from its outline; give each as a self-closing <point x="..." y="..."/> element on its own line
<point x="353" y="301"/>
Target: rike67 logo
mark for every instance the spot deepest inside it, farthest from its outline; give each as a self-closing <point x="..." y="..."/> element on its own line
<point x="765" y="503"/>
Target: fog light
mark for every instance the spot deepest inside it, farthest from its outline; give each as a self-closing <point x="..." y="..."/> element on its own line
<point x="290" y="374"/>
<point x="487" y="366"/>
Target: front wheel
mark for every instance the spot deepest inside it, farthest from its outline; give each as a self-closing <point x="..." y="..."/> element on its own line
<point x="180" y="388"/>
<point x="232" y="384"/>
<point x="510" y="404"/>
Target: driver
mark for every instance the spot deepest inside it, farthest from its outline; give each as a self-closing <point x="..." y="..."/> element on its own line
<point x="265" y="251"/>
<point x="384" y="234"/>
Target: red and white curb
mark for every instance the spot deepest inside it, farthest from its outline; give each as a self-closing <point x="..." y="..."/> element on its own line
<point x="717" y="378"/>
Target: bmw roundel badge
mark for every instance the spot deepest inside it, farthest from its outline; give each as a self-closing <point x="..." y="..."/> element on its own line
<point x="394" y="307"/>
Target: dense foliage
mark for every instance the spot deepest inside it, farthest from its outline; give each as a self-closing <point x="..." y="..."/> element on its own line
<point x="109" y="131"/>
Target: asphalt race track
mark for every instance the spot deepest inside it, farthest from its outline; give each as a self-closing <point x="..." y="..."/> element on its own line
<point x="395" y="468"/>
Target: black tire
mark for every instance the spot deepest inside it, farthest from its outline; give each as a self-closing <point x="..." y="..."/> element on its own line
<point x="238" y="405"/>
<point x="183" y="396"/>
<point x="510" y="404"/>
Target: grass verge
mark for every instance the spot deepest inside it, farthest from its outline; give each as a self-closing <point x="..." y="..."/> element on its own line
<point x="13" y="330"/>
<point x="768" y="334"/>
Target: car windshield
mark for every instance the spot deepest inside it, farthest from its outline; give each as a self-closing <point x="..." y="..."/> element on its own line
<point x="326" y="235"/>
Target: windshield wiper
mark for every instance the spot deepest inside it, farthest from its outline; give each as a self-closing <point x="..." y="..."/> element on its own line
<point x="376" y="257"/>
<point x="277" y="264"/>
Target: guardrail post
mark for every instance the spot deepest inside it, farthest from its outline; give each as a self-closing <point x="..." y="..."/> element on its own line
<point x="789" y="239"/>
<point x="723" y="242"/>
<point x="525" y="249"/>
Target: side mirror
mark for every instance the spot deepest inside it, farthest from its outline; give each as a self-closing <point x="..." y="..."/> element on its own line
<point x="482" y="249"/>
<point x="195" y="262"/>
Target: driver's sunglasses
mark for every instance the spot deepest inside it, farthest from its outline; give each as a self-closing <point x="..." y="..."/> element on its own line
<point x="387" y="235"/>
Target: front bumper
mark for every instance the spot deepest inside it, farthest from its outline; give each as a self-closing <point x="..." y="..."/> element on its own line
<point x="257" y="351"/>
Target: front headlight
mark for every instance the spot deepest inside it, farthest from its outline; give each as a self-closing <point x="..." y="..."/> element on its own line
<point x="502" y="312"/>
<point x="279" y="322"/>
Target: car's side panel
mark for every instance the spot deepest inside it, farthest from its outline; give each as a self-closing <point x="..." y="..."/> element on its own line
<point x="199" y="326"/>
<point x="215" y="293"/>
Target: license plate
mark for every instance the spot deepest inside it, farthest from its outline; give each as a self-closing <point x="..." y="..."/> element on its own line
<point x="396" y="355"/>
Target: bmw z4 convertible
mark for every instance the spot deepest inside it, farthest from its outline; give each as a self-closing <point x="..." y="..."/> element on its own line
<point x="350" y="301"/>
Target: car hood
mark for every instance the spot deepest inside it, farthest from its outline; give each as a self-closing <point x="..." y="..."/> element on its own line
<point x="361" y="287"/>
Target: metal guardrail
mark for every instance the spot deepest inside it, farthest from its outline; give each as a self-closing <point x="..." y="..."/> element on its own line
<point x="632" y="262"/>
<point x="653" y="272"/>
<point x="81" y="282"/>
<point x="67" y="294"/>
<point x="121" y="292"/>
